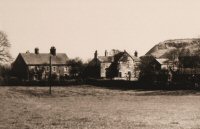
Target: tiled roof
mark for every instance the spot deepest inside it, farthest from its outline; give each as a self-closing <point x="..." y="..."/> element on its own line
<point x="43" y="58"/>
<point x="116" y="57"/>
<point x="124" y="55"/>
<point x="149" y="59"/>
<point x="135" y="58"/>
<point x="104" y="59"/>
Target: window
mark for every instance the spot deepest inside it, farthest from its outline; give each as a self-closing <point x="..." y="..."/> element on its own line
<point x="35" y="77"/>
<point x="36" y="68"/>
<point x="47" y="68"/>
<point x="65" y="69"/>
<point x="54" y="69"/>
<point x="120" y="74"/>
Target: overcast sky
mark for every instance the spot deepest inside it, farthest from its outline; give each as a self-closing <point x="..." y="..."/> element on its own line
<point x="79" y="27"/>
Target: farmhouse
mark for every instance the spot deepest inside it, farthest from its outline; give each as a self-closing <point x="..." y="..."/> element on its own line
<point x="118" y="66"/>
<point x="36" y="66"/>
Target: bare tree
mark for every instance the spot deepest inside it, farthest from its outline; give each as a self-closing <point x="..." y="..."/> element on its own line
<point x="5" y="56"/>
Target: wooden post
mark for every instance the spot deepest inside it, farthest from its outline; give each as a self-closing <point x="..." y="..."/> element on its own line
<point x="50" y="65"/>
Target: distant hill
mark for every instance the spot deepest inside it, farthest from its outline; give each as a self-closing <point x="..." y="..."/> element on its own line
<point x="175" y="47"/>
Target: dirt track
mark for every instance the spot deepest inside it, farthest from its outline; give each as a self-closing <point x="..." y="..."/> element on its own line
<point x="97" y="108"/>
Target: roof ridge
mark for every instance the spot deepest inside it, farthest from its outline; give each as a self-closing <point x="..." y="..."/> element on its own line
<point x="32" y="58"/>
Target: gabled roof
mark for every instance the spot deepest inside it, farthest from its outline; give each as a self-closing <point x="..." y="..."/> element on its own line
<point x="43" y="58"/>
<point x="120" y="56"/>
<point x="134" y="57"/>
<point x="113" y="59"/>
<point x="103" y="59"/>
<point x="149" y="59"/>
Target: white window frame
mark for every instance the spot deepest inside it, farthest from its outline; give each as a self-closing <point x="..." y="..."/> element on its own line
<point x="65" y="69"/>
<point x="47" y="68"/>
<point x="54" y="69"/>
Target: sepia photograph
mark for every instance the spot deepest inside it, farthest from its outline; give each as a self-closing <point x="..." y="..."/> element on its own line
<point x="99" y="64"/>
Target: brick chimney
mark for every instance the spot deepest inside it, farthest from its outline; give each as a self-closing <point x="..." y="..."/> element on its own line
<point x="27" y="52"/>
<point x="36" y="50"/>
<point x="136" y="54"/>
<point x="95" y="54"/>
<point x="106" y="53"/>
<point x="53" y="51"/>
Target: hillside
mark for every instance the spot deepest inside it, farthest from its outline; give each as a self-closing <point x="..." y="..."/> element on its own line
<point x="169" y="48"/>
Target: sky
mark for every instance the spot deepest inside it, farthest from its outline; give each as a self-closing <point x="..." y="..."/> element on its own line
<point x="79" y="27"/>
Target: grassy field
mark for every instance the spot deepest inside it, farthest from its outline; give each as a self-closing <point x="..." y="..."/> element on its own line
<point x="90" y="107"/>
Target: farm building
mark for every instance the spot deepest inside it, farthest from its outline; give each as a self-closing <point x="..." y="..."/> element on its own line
<point x="119" y="66"/>
<point x="36" y="66"/>
<point x="150" y="63"/>
<point x="188" y="68"/>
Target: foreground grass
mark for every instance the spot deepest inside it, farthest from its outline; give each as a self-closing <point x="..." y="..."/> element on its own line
<point x="82" y="107"/>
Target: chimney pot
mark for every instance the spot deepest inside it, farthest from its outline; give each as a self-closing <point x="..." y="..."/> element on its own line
<point x="27" y="51"/>
<point x="95" y="54"/>
<point x="36" y="50"/>
<point x="106" y="53"/>
<point x="136" y="54"/>
<point x="53" y="51"/>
